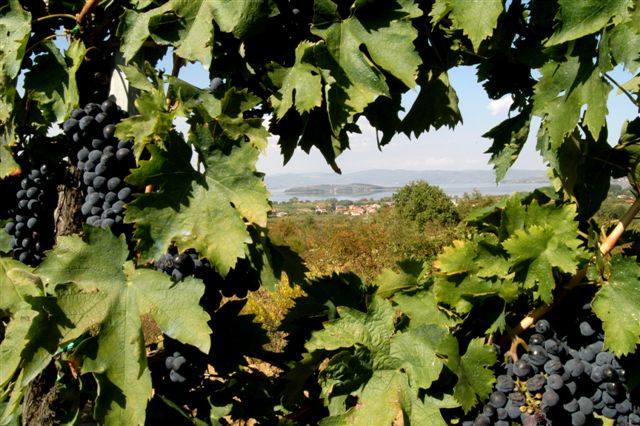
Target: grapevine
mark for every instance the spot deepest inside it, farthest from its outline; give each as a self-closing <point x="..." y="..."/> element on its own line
<point x="135" y="220"/>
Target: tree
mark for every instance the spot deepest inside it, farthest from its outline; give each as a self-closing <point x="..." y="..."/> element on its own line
<point x="88" y="282"/>
<point x="421" y="204"/>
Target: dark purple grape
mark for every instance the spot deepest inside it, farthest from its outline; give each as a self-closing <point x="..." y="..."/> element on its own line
<point x="571" y="406"/>
<point x="498" y="399"/>
<point x="109" y="107"/>
<point x="504" y="383"/>
<point x="537" y="355"/>
<point x="535" y="383"/>
<point x="578" y="419"/>
<point x="550" y="398"/>
<point x="108" y="131"/>
<point x="78" y="113"/>
<point x="536" y="339"/>
<point x="542" y="326"/>
<point x="86" y="123"/>
<point x="113" y="183"/>
<point x="124" y="193"/>
<point x="574" y="367"/>
<point x="10" y="228"/>
<point x="585" y="329"/>
<point x="70" y="126"/>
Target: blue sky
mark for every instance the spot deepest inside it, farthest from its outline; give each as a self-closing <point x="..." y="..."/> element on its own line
<point x="461" y="148"/>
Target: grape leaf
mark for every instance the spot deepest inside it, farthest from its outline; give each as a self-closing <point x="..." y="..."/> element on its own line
<point x="154" y="122"/>
<point x="301" y="85"/>
<point x="549" y="240"/>
<point x="476" y="18"/>
<point x="14" y="286"/>
<point x="389" y="44"/>
<point x="371" y="329"/>
<point x="579" y="18"/>
<point x="422" y="308"/>
<point x="617" y="305"/>
<point x="508" y="139"/>
<point x="475" y="378"/>
<point x="624" y="42"/>
<point x="240" y="17"/>
<point x="383" y="368"/>
<point x="8" y="165"/>
<point x="15" y="27"/>
<point x="202" y="212"/>
<point x="193" y="37"/>
<point x="425" y="342"/>
<point x="561" y="93"/>
<point x="435" y="106"/>
<point x="389" y="281"/>
<point x="110" y="292"/>
<point x="52" y="80"/>
<point x="383" y="398"/>
<point x="17" y="286"/>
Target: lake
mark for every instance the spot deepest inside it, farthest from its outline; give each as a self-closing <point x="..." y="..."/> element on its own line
<point x="451" y="189"/>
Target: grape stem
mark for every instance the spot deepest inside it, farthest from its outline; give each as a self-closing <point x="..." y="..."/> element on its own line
<point x="607" y="245"/>
<point x="54" y="16"/>
<point x="85" y="10"/>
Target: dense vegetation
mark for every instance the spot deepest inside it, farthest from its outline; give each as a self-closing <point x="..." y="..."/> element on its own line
<point x="126" y="307"/>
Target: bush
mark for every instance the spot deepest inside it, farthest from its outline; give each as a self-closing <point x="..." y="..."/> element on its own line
<point x="421" y="204"/>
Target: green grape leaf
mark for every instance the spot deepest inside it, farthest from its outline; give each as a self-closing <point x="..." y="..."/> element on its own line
<point x="15" y="27"/>
<point x="371" y="329"/>
<point x="153" y="123"/>
<point x="617" y="304"/>
<point x="52" y="80"/>
<point x="549" y="240"/>
<point x="408" y="276"/>
<point x="624" y="42"/>
<point x="435" y="106"/>
<point x="390" y="46"/>
<point x="15" y="340"/>
<point x="458" y="259"/>
<point x="240" y="17"/>
<point x="16" y="284"/>
<point x="579" y="18"/>
<point x="508" y="139"/>
<point x="192" y="38"/>
<point x="475" y="378"/>
<point x="561" y="93"/>
<point x="458" y="293"/>
<point x="422" y="308"/>
<point x="384" y="399"/>
<point x="207" y="212"/>
<point x="110" y="292"/>
<point x="424" y="342"/>
<point x="476" y="18"/>
<point x="8" y="165"/>
<point x="301" y="86"/>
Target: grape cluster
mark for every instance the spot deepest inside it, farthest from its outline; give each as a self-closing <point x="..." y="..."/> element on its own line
<point x="561" y="380"/>
<point x="33" y="227"/>
<point x="174" y="364"/>
<point x="104" y="161"/>
<point x="238" y="282"/>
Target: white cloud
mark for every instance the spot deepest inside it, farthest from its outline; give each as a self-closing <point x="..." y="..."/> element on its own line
<point x="499" y="106"/>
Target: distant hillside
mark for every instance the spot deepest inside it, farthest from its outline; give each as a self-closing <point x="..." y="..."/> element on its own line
<point x="398" y="178"/>
<point x="331" y="190"/>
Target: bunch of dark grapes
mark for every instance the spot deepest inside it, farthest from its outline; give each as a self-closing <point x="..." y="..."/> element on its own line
<point x="564" y="378"/>
<point x="175" y="364"/>
<point x="33" y="226"/>
<point x="238" y="282"/>
<point x="104" y="162"/>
